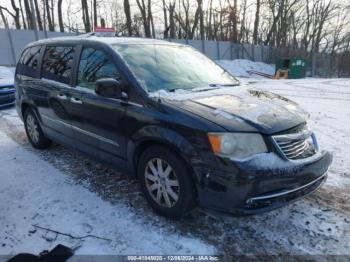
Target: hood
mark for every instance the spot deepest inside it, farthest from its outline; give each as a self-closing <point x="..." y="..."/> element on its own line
<point x="247" y="110"/>
<point x="6" y="82"/>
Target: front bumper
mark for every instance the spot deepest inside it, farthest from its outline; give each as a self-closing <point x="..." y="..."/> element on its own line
<point x="7" y="98"/>
<point x="261" y="183"/>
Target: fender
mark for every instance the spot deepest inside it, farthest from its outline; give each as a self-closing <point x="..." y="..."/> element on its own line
<point x="159" y="135"/>
<point x="28" y="103"/>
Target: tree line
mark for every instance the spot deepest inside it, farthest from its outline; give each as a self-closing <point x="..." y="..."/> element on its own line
<point x="310" y="25"/>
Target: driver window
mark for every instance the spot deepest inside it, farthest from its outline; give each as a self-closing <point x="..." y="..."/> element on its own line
<point x="94" y="65"/>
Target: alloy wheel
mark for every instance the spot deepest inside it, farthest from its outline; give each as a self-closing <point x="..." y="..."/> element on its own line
<point x="162" y="182"/>
<point x="32" y="128"/>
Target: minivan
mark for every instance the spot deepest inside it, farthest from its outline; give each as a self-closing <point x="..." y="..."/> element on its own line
<point x="164" y="112"/>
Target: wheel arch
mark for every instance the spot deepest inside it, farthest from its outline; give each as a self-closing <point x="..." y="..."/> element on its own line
<point x="155" y="135"/>
<point x="26" y="105"/>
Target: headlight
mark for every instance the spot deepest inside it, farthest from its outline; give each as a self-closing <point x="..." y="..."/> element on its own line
<point x="237" y="145"/>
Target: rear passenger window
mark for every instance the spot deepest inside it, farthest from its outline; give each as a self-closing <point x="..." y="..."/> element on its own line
<point x="29" y="61"/>
<point x="94" y="65"/>
<point x="58" y="63"/>
<point x="30" y="57"/>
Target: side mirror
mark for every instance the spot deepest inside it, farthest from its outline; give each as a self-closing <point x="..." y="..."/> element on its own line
<point x="109" y="87"/>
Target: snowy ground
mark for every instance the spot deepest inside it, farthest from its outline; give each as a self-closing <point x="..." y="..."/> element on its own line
<point x="240" y="68"/>
<point x="68" y="192"/>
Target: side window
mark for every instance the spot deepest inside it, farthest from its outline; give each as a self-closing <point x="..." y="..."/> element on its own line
<point x="29" y="61"/>
<point x="30" y="57"/>
<point x="94" y="65"/>
<point x="58" y="63"/>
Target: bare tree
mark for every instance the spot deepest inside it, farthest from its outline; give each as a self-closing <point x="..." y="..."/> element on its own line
<point x="147" y="17"/>
<point x="128" y="17"/>
<point x="172" y="19"/>
<point x="95" y="12"/>
<point x="256" y="22"/>
<point x="38" y="16"/>
<point x="3" y="17"/>
<point x="14" y="14"/>
<point x="48" y="15"/>
<point x="209" y="20"/>
<point x="60" y="18"/>
<point x="29" y="14"/>
<point x="201" y="18"/>
<point x="22" y="14"/>
<point x="165" y="14"/>
<point x="86" y="18"/>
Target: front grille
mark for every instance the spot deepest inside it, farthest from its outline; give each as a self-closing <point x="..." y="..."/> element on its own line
<point x="296" y="146"/>
<point x="7" y="88"/>
<point x="6" y="99"/>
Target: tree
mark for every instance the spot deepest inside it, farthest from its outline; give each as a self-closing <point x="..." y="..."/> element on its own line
<point x="48" y="15"/>
<point x="14" y="14"/>
<point x="95" y="13"/>
<point x="172" y="19"/>
<point x="38" y="16"/>
<point x="60" y="18"/>
<point x="147" y="17"/>
<point x="256" y="22"/>
<point x="22" y="14"/>
<point x="128" y="17"/>
<point x="165" y="14"/>
<point x="86" y="18"/>
<point x="201" y="18"/>
<point x="29" y="14"/>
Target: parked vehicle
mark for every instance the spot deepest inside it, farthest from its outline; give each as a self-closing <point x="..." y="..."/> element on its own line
<point x="172" y="117"/>
<point x="7" y="88"/>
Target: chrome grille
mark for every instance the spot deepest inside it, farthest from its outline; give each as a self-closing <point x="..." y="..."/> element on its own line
<point x="297" y="145"/>
<point x="7" y="89"/>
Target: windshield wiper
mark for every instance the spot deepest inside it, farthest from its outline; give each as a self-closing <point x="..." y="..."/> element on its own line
<point x="218" y="85"/>
<point x="202" y="89"/>
<point x="172" y="90"/>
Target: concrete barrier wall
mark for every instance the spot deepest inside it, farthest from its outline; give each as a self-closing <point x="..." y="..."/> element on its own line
<point x="214" y="49"/>
<point x="19" y="39"/>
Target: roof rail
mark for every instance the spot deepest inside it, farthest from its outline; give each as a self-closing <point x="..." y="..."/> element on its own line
<point x="100" y="33"/>
<point x="86" y="35"/>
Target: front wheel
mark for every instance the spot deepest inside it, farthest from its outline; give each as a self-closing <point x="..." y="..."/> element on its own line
<point x="34" y="133"/>
<point x="166" y="182"/>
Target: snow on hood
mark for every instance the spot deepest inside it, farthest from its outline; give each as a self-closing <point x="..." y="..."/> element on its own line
<point x="264" y="111"/>
<point x="6" y="76"/>
<point x="6" y="73"/>
<point x="6" y="82"/>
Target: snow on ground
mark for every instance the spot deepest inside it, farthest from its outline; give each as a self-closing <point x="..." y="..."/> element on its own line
<point x="239" y="68"/>
<point x="69" y="192"/>
<point x="33" y="192"/>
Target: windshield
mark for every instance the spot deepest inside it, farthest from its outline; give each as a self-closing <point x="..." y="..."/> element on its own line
<point x="173" y="67"/>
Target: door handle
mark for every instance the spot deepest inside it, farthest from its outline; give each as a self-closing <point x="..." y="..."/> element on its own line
<point x="62" y="96"/>
<point x="76" y="100"/>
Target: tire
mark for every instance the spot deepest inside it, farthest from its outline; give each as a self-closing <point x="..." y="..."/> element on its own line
<point x="171" y="192"/>
<point x="34" y="132"/>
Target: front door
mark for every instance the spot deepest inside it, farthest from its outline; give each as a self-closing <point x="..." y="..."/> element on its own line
<point x="98" y="124"/>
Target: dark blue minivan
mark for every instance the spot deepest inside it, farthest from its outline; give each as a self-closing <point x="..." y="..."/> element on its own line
<point x="172" y="117"/>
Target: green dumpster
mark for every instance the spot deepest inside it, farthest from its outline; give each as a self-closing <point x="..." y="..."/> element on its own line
<point x="296" y="66"/>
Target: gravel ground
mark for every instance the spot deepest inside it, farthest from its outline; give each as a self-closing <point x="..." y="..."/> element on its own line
<point x="318" y="224"/>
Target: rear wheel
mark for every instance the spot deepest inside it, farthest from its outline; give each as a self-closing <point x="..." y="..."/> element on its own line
<point x="34" y="132"/>
<point x="166" y="182"/>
